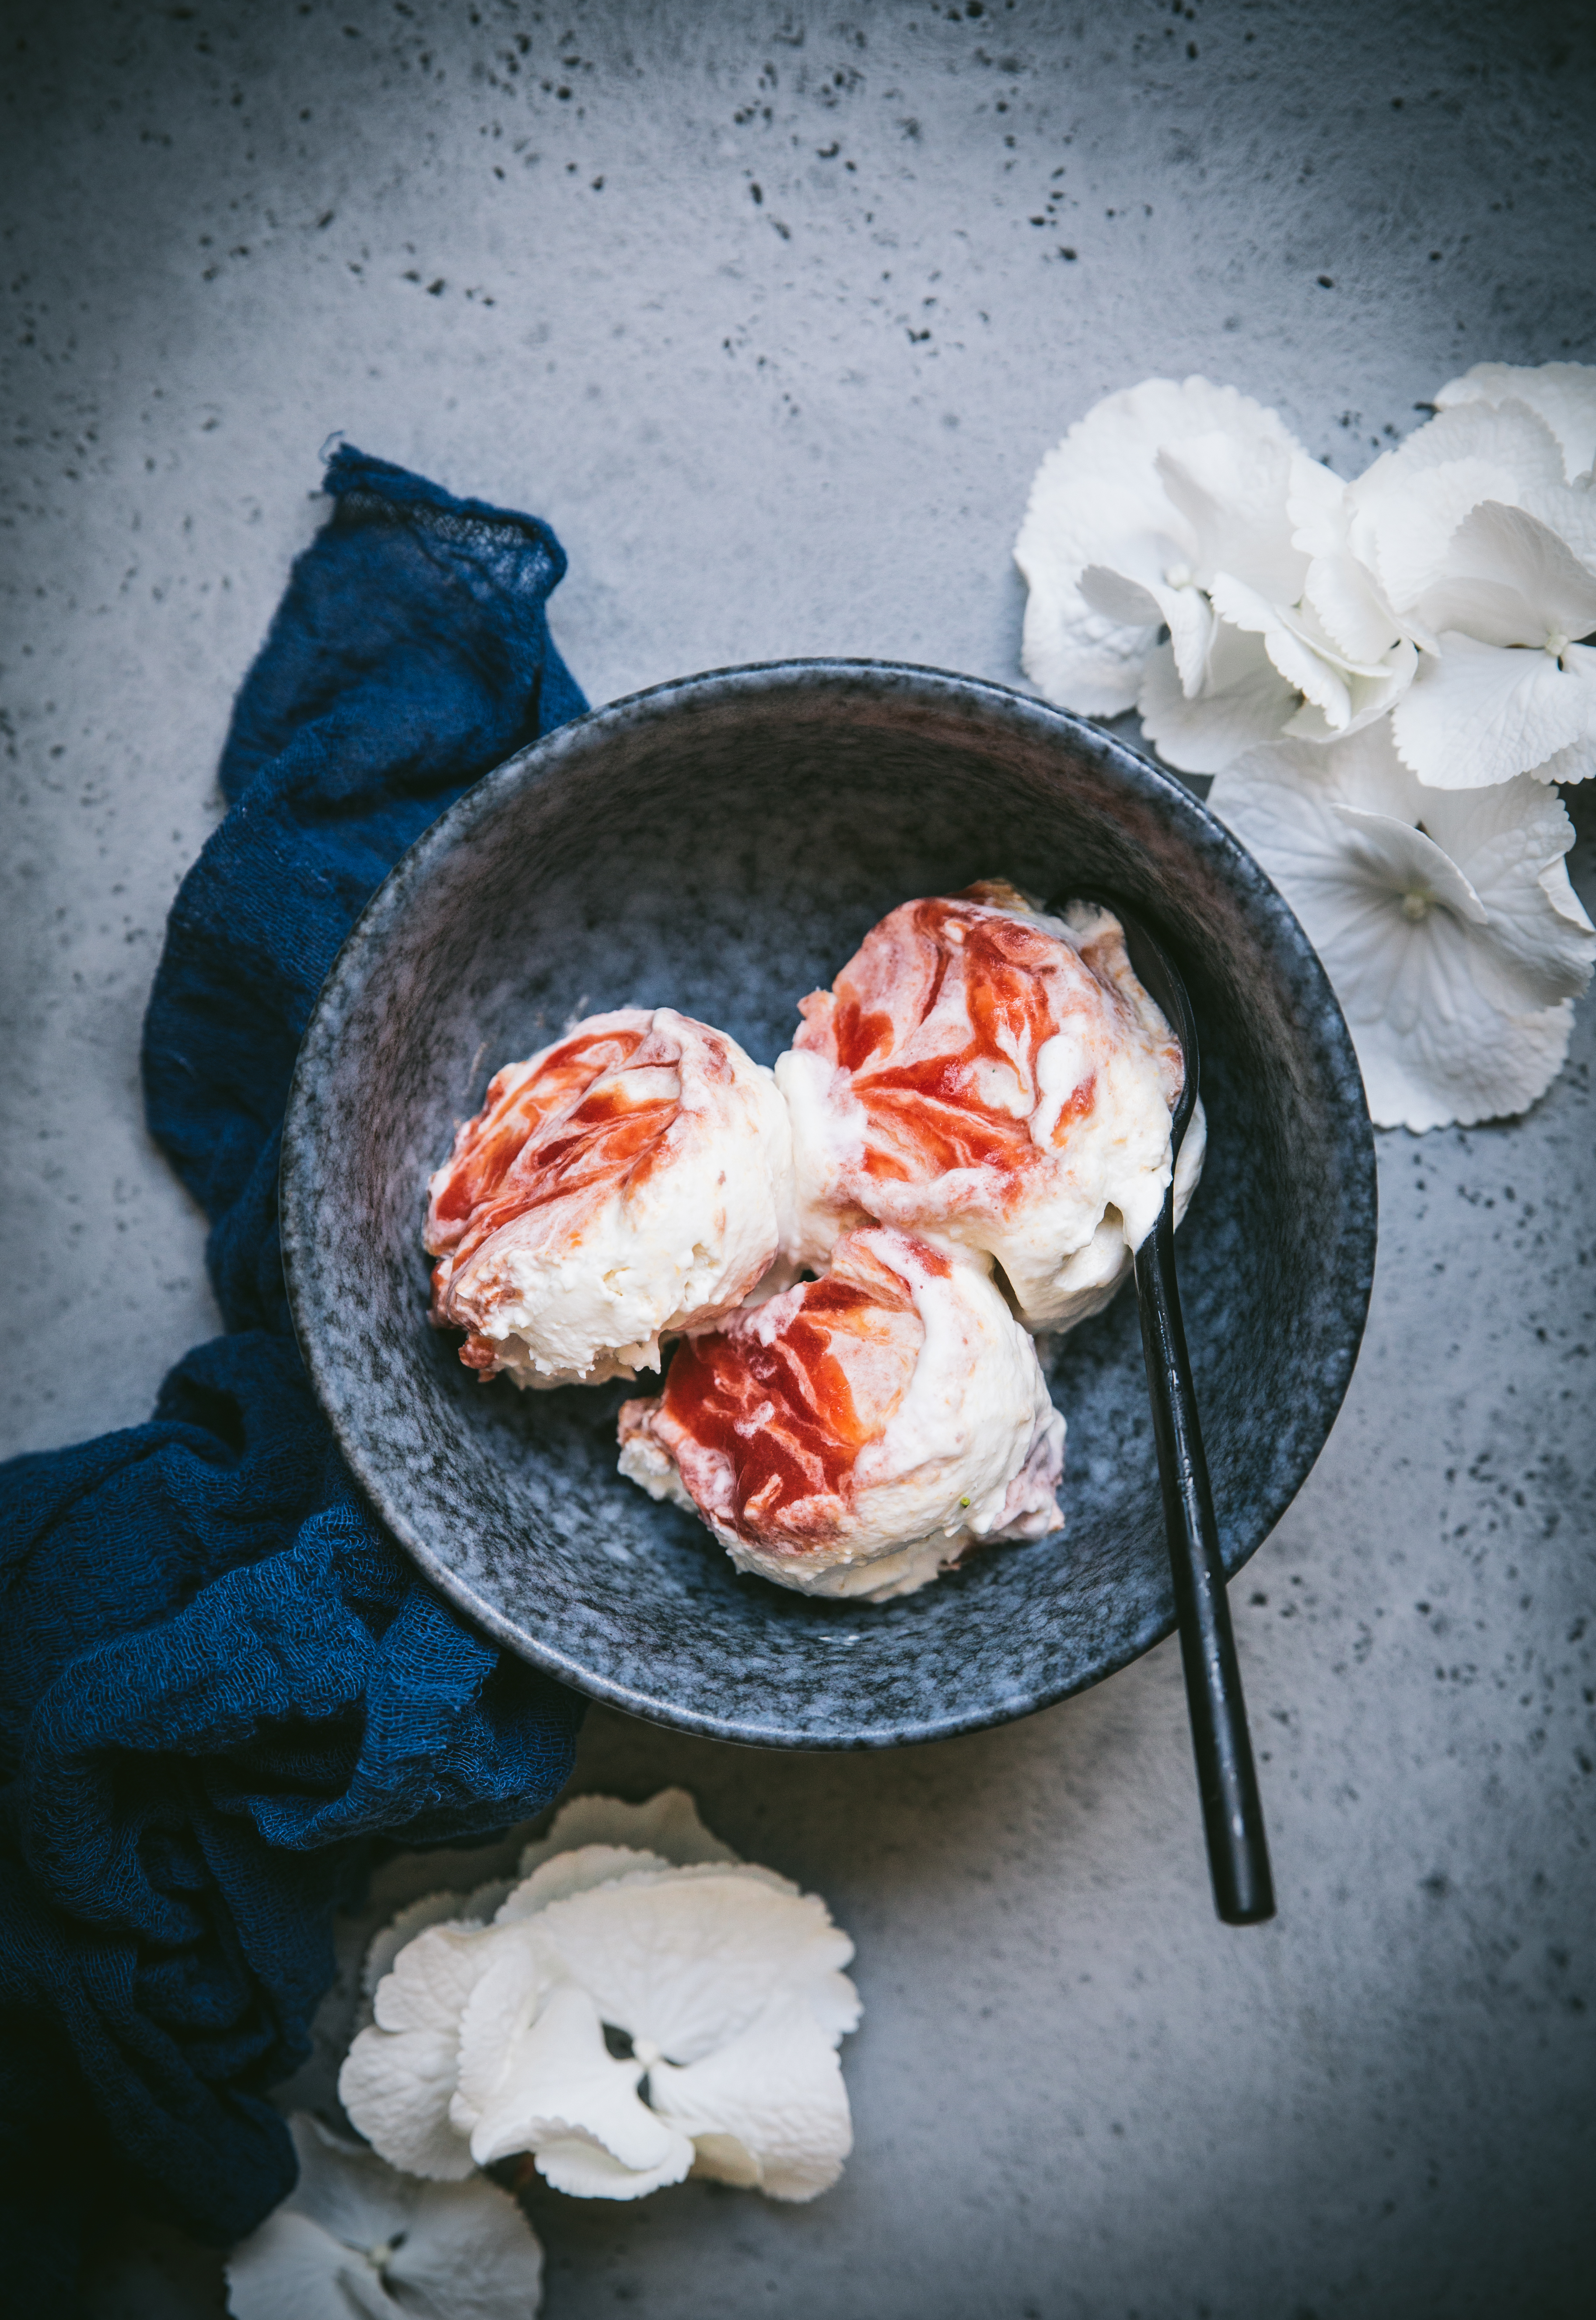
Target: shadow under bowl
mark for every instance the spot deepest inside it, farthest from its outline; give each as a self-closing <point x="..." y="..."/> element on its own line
<point x="720" y="845"/>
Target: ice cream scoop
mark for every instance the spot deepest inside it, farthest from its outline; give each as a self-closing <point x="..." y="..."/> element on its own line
<point x="854" y="1435"/>
<point x="996" y="1076"/>
<point x="627" y="1182"/>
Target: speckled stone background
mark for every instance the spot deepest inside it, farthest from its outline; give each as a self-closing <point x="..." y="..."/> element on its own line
<point x="769" y="311"/>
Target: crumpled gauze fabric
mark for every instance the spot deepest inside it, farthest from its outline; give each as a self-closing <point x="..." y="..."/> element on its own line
<point x="222" y="1687"/>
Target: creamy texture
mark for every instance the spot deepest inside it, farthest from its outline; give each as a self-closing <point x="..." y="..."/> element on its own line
<point x="993" y="1076"/>
<point x="852" y="1435"/>
<point x="626" y="1183"/>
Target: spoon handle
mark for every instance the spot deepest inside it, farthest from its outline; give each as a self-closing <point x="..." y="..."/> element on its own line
<point x="1232" y="1812"/>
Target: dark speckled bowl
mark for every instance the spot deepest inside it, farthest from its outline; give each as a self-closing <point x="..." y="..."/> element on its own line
<point x="720" y="845"/>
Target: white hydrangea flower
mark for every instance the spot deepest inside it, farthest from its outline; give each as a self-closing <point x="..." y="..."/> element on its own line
<point x="1179" y="507"/>
<point x="721" y="1978"/>
<point x="729" y="1983"/>
<point x="1444" y="920"/>
<point x="353" y="2237"/>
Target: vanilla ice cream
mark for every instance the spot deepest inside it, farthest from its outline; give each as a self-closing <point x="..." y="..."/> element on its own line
<point x="627" y="1183"/>
<point x="852" y="1435"/>
<point x="986" y="1074"/>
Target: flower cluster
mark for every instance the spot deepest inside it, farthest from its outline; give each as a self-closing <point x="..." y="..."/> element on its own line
<point x="637" y="2005"/>
<point x="1387" y="676"/>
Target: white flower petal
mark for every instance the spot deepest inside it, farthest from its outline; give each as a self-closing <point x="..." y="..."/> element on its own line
<point x="1571" y="513"/>
<point x="722" y="2159"/>
<point x="1244" y="700"/>
<point x="1318" y="506"/>
<point x="1514" y="439"/>
<point x="1443" y="944"/>
<point x="1493" y="858"/>
<point x="399" y="2076"/>
<point x="1482" y="713"/>
<point x="1490" y="611"/>
<point x="1561" y="395"/>
<point x="1411" y="528"/>
<point x="667" y="1823"/>
<point x="1365" y="773"/>
<point x="1074" y="657"/>
<point x="1396" y="661"/>
<point x="1193" y="628"/>
<point x="1348" y="600"/>
<point x="433" y="1975"/>
<point x="574" y="1872"/>
<point x="1184" y="610"/>
<point x="1098" y="499"/>
<point x="686" y="1959"/>
<point x="563" y="2085"/>
<point x="1369" y="697"/>
<point x="1510" y="842"/>
<point x="583" y="2171"/>
<point x="1119" y="598"/>
<point x="1327" y="700"/>
<point x="1511" y="580"/>
<point x="1346" y="876"/>
<point x="1342" y="587"/>
<point x="1232" y="485"/>
<point x="497" y="2016"/>
<point x="469" y="2254"/>
<point x="1398" y="855"/>
<point x="355" y="2238"/>
<point x="1577" y="763"/>
<point x="430" y="1909"/>
<point x="1293" y="656"/>
<point x="1408" y="505"/>
<point x="344" y="2187"/>
<point x="769" y="2107"/>
<point x="290" y="2268"/>
<point x="1468" y="1064"/>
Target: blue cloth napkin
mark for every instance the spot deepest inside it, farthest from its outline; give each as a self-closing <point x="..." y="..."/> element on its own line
<point x="222" y="1685"/>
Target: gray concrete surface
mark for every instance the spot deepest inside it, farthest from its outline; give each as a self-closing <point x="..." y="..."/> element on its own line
<point x="752" y="302"/>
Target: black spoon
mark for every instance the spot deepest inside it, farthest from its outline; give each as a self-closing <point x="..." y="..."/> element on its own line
<point x="1232" y="1812"/>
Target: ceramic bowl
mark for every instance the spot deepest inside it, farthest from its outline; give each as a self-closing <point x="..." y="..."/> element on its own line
<point x="720" y="845"/>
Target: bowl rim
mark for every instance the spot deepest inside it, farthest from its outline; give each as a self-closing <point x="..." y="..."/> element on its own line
<point x="537" y="762"/>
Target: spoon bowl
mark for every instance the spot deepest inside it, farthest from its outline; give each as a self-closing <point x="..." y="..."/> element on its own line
<point x="722" y="845"/>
